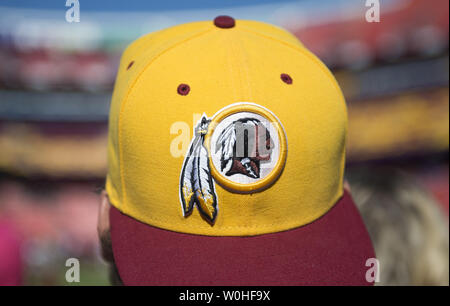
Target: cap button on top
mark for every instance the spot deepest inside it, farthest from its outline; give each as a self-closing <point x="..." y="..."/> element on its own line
<point x="224" y="22"/>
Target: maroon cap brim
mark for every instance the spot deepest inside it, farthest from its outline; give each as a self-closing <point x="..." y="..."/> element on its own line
<point x="332" y="250"/>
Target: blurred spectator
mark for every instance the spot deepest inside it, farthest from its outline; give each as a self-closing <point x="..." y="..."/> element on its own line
<point x="408" y="229"/>
<point x="10" y="256"/>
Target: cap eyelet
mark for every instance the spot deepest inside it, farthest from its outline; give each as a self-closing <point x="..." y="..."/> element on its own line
<point x="286" y="78"/>
<point x="130" y="64"/>
<point x="224" y="22"/>
<point x="183" y="89"/>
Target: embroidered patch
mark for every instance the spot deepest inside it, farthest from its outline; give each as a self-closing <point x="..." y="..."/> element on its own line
<point x="243" y="148"/>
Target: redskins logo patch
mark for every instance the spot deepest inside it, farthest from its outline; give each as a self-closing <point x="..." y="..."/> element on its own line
<point x="243" y="148"/>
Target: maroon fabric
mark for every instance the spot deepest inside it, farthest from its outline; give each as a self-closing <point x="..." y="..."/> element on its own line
<point x="183" y="89"/>
<point x="330" y="251"/>
<point x="286" y="78"/>
<point x="224" y="22"/>
<point x="130" y="64"/>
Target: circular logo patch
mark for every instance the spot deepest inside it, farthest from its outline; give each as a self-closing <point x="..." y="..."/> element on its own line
<point x="248" y="147"/>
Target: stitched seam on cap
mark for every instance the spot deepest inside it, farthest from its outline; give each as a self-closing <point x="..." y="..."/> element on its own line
<point x="303" y="51"/>
<point x="230" y="62"/>
<point x="124" y="102"/>
<point x="244" y="66"/>
<point x="239" y="61"/>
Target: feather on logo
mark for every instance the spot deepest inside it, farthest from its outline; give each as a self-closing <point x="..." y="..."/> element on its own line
<point x="197" y="185"/>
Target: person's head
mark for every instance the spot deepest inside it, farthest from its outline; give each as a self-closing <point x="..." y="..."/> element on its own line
<point x="226" y="160"/>
<point x="408" y="230"/>
<point x="104" y="235"/>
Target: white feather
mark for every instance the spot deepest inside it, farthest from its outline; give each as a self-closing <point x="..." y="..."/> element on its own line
<point x="204" y="172"/>
<point x="204" y="185"/>
<point x="226" y="142"/>
<point x="195" y="169"/>
<point x="187" y="189"/>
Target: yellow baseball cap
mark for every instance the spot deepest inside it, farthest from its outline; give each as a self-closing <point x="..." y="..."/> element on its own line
<point x="226" y="161"/>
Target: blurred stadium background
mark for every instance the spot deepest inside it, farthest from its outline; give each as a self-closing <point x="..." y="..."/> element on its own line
<point x="56" y="80"/>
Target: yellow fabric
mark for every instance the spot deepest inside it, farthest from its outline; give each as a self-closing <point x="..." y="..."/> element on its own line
<point x="222" y="67"/>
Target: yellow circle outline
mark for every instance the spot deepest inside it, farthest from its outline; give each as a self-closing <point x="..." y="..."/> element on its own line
<point x="276" y="171"/>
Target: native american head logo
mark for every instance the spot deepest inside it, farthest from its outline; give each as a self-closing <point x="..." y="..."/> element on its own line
<point x="244" y="145"/>
<point x="230" y="148"/>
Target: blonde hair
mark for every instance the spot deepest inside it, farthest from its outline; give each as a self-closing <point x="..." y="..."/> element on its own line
<point x="408" y="230"/>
